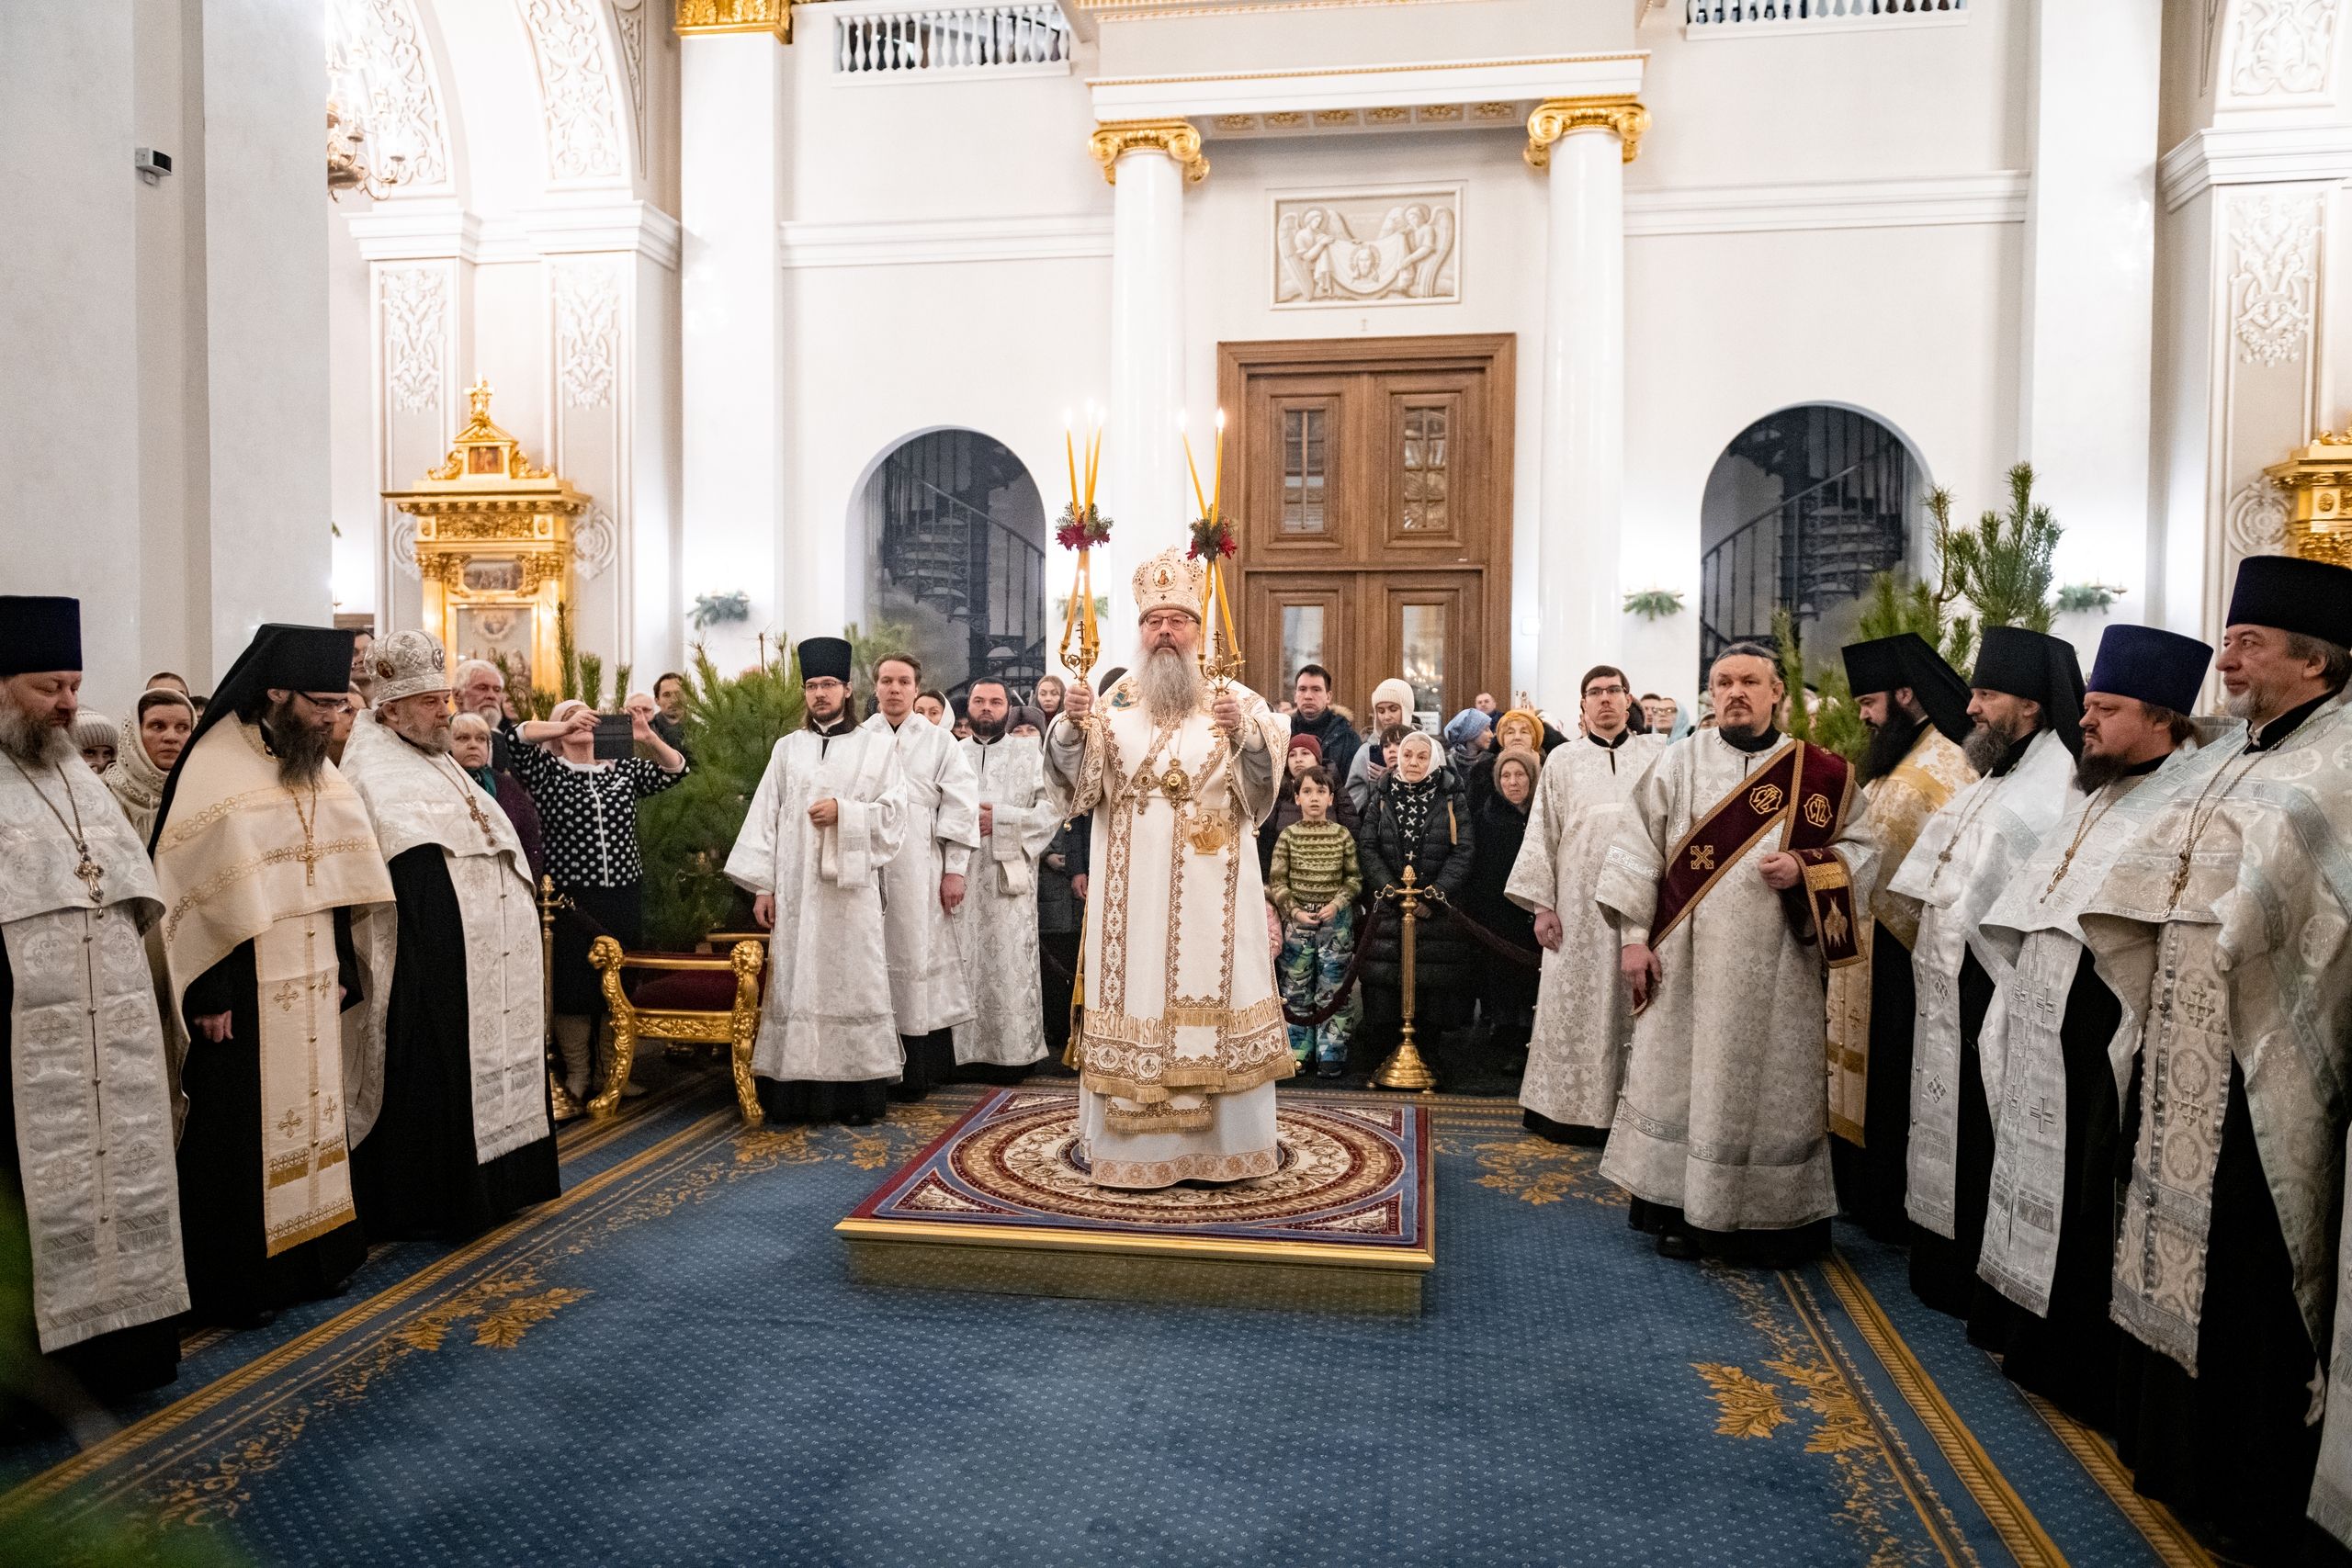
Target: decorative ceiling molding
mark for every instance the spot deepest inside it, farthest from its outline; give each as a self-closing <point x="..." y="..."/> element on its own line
<point x="898" y="242"/>
<point x="1926" y="202"/>
<point x="2253" y="154"/>
<point x="397" y="231"/>
<point x="384" y="42"/>
<point x="577" y="91"/>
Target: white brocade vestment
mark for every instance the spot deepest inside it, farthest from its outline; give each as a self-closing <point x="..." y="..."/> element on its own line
<point x="1576" y="1061"/>
<point x="827" y="1016"/>
<point x="1182" y="1039"/>
<point x="2033" y="929"/>
<point x="86" y="1056"/>
<point x="940" y="801"/>
<point x="1725" y="1114"/>
<point x="998" y="921"/>
<point x="1958" y="865"/>
<point x="416" y="799"/>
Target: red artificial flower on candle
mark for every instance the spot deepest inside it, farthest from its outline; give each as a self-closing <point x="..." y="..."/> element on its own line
<point x="1212" y="540"/>
<point x="1074" y="531"/>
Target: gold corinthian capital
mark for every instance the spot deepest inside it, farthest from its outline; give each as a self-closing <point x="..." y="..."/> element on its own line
<point x="1174" y="136"/>
<point x="734" y="16"/>
<point x="1555" y="118"/>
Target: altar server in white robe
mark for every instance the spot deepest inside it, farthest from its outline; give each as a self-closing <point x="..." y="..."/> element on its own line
<point x="1182" y="1040"/>
<point x="462" y="1138"/>
<point x="1576" y="1060"/>
<point x="1731" y="884"/>
<point x="2226" y="929"/>
<point x="998" y="924"/>
<point x="828" y="818"/>
<point x="2055" y="1029"/>
<point x="2026" y="700"/>
<point x="924" y="884"/>
<point x="86" y="1111"/>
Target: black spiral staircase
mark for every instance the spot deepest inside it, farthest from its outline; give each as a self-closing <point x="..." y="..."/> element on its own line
<point x="1842" y="520"/>
<point x="942" y="549"/>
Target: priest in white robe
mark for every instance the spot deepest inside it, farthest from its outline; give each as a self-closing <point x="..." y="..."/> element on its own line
<point x="1584" y="1022"/>
<point x="824" y="824"/>
<point x="85" y="1093"/>
<point x="1182" y="1039"/>
<point x="2224" y="928"/>
<point x="2025" y="699"/>
<point x="2055" y="1029"/>
<point x="1731" y="886"/>
<point x="1915" y="707"/>
<point x="997" y="923"/>
<point x="924" y="883"/>
<point x="264" y="856"/>
<point x="462" y="1137"/>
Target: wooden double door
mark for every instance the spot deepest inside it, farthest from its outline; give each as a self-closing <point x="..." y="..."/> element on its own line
<point x="1370" y="479"/>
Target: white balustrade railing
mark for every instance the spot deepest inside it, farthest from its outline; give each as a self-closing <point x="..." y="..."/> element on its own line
<point x="908" y="40"/>
<point x="1718" y="15"/>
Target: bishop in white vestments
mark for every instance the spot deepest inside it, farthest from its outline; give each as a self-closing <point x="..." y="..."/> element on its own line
<point x="461" y="1138"/>
<point x="2026" y="702"/>
<point x="1576" y="1059"/>
<point x="924" y="883"/>
<point x="1182" y="1039"/>
<point x="1730" y="883"/>
<point x="2056" y="1030"/>
<point x="86" y="1095"/>
<point x="997" y="923"/>
<point x="826" y="822"/>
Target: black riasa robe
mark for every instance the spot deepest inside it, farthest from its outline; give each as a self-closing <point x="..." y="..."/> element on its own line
<point x="417" y="1174"/>
<point x="109" y="1366"/>
<point x="2069" y="1357"/>
<point x="230" y="1278"/>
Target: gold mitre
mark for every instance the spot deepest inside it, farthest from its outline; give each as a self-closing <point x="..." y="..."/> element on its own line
<point x="1170" y="580"/>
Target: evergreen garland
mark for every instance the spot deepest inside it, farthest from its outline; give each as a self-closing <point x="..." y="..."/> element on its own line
<point x="733" y="722"/>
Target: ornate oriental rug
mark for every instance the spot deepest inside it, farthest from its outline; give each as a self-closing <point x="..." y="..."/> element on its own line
<point x="1000" y="1202"/>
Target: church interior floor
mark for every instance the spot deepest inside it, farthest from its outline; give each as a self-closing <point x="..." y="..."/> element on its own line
<point x="669" y="1364"/>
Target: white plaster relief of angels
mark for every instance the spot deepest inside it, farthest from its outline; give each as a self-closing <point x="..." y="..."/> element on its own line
<point x="1322" y="262"/>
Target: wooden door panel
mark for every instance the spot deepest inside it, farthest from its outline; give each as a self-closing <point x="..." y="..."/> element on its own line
<point x="1430" y="469"/>
<point x="1296" y="618"/>
<point x="1430" y="632"/>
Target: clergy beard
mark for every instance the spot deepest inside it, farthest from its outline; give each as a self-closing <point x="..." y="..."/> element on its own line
<point x="1170" y="683"/>
<point x="32" y="740"/>
<point x="1986" y="746"/>
<point x="301" y="747"/>
<point x="429" y="734"/>
<point x="2094" y="772"/>
<point x="1890" y="743"/>
<point x="985" y="730"/>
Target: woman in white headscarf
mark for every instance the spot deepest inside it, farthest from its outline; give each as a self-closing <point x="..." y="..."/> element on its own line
<point x="152" y="740"/>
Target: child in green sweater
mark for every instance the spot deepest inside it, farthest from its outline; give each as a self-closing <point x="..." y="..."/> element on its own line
<point x="1313" y="886"/>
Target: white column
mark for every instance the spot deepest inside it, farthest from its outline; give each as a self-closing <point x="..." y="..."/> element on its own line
<point x="1144" y="491"/>
<point x="2089" y="299"/>
<point x="736" y="533"/>
<point x="1583" y="420"/>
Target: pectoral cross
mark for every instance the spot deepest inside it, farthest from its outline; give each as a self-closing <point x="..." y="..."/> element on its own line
<point x="89" y="872"/>
<point x="310" y="858"/>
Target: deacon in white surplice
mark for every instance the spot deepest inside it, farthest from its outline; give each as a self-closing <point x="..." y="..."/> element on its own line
<point x="1576" y="1061"/>
<point x="998" y="922"/>
<point x="2025" y="699"/>
<point x="826" y="820"/>
<point x="460" y="1139"/>
<point x="1730" y="875"/>
<point x="85" y="1097"/>
<point x="925" y="882"/>
<point x="1182" y="1039"/>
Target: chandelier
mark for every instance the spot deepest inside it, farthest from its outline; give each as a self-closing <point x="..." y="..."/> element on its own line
<point x="365" y="149"/>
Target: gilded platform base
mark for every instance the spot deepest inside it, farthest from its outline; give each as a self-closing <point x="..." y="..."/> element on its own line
<point x="1013" y="1270"/>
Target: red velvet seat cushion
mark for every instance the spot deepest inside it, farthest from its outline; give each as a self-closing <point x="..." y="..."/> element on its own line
<point x="689" y="990"/>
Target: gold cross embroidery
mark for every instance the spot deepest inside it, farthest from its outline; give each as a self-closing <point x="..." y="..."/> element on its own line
<point x="1702" y="857"/>
<point x="1832" y="924"/>
<point x="285" y="996"/>
<point x="289" y="1124"/>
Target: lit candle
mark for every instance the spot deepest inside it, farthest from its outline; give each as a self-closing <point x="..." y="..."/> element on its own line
<point x="1185" y="436"/>
<point x="1217" y="485"/>
<point x="1070" y="450"/>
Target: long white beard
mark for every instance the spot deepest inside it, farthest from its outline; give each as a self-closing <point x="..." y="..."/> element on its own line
<point x="1170" y="684"/>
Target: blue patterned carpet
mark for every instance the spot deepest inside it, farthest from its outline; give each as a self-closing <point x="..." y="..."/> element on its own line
<point x="669" y="1366"/>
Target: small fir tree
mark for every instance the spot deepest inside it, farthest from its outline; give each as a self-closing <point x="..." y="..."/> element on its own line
<point x="733" y="722"/>
<point x="2003" y="565"/>
<point x="592" y="680"/>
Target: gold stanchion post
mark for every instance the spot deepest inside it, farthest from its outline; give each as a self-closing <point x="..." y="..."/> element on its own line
<point x="1404" y="1069"/>
<point x="560" y="1105"/>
